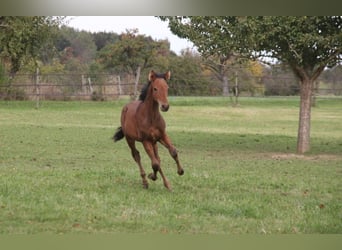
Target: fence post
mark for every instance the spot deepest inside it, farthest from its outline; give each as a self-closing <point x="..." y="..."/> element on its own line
<point x="236" y="90"/>
<point x="119" y="86"/>
<point x="37" y="88"/>
<point x="137" y="77"/>
<point x="90" y="86"/>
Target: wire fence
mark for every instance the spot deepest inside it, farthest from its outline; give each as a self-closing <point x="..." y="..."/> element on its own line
<point x="110" y="87"/>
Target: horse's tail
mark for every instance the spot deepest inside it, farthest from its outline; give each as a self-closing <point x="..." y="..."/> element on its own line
<point x="118" y="134"/>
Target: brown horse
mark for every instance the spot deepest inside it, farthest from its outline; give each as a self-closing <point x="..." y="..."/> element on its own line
<point x="141" y="121"/>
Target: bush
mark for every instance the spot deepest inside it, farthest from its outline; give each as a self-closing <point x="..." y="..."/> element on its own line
<point x="95" y="96"/>
<point x="13" y="93"/>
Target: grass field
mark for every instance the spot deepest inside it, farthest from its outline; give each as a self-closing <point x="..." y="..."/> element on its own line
<point x="60" y="172"/>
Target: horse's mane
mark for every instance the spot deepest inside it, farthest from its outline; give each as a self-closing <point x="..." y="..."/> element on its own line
<point x="144" y="90"/>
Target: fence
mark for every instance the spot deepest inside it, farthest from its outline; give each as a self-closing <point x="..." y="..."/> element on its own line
<point x="64" y="87"/>
<point x="110" y="87"/>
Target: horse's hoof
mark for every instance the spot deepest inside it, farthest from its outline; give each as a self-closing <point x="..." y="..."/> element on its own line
<point x="181" y="172"/>
<point x="152" y="176"/>
<point x="167" y="185"/>
<point x="145" y="185"/>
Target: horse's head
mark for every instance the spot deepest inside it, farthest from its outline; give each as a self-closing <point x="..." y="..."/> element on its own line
<point x="160" y="88"/>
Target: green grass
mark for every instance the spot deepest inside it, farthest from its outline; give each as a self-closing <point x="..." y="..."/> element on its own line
<point x="60" y="172"/>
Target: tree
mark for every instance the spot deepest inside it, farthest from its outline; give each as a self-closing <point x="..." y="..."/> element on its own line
<point x="25" y="38"/>
<point x="76" y="44"/>
<point x="219" y="65"/>
<point x="131" y="54"/>
<point x="102" y="38"/>
<point x="306" y="44"/>
<point x="188" y="77"/>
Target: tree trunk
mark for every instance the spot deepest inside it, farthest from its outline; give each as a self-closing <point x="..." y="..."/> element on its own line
<point x="225" y="86"/>
<point x="303" y="139"/>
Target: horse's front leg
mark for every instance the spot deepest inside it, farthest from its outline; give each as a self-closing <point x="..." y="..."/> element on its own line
<point x="165" y="140"/>
<point x="152" y="151"/>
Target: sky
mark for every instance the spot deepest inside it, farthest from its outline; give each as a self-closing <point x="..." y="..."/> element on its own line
<point x="147" y="25"/>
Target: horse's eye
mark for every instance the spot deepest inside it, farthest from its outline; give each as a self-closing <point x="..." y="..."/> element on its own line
<point x="155" y="89"/>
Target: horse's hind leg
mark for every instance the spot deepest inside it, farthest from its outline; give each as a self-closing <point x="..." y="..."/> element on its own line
<point x="152" y="151"/>
<point x="136" y="157"/>
<point x="173" y="152"/>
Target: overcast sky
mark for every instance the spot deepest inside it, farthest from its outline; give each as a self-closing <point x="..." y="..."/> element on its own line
<point x="147" y="25"/>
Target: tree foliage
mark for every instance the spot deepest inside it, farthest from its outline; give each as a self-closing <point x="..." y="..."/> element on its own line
<point x="26" y="38"/>
<point x="187" y="74"/>
<point x="130" y="52"/>
<point x="306" y="44"/>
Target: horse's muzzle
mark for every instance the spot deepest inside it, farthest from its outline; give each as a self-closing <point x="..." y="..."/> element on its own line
<point x="164" y="107"/>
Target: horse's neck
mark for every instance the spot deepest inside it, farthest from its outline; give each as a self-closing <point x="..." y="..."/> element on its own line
<point x="150" y="108"/>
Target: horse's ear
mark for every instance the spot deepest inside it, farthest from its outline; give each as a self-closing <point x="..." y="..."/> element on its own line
<point x="168" y="75"/>
<point x="151" y="76"/>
